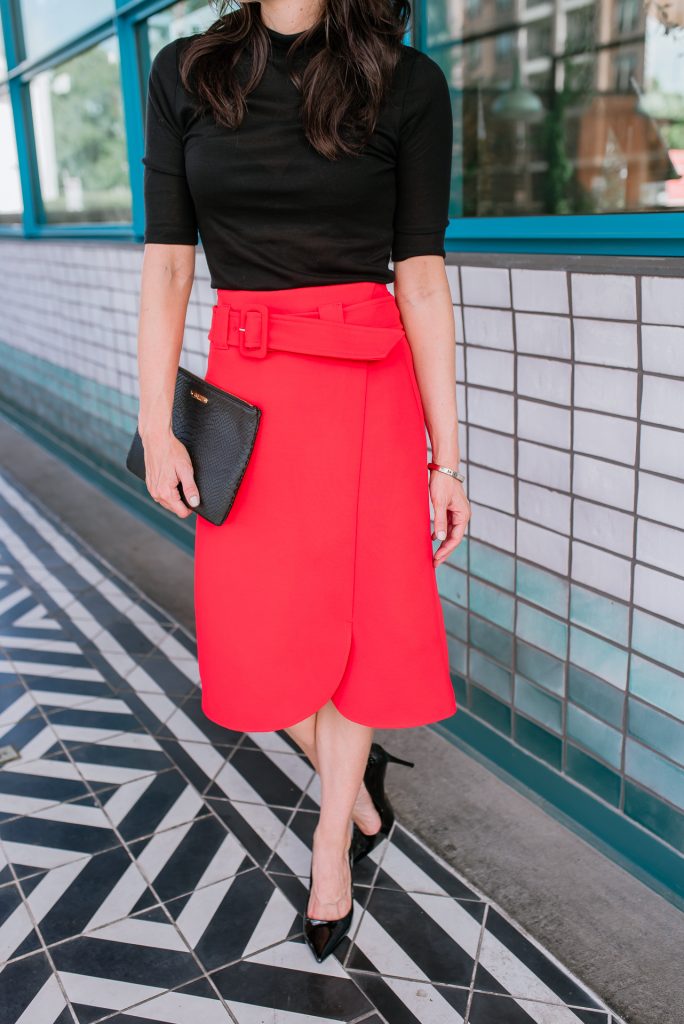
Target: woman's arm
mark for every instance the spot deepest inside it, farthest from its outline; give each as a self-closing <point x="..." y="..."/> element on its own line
<point x="423" y="297"/>
<point x="166" y="283"/>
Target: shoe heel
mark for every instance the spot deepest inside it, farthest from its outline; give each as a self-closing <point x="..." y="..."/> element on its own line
<point x="399" y="760"/>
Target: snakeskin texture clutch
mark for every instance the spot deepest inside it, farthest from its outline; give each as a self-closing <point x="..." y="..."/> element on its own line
<point x="219" y="430"/>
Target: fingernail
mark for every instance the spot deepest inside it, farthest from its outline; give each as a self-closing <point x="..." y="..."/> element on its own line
<point x="441" y="535"/>
<point x="194" y="500"/>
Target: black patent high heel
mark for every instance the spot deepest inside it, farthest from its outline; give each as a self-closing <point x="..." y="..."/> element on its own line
<point x="323" y="936"/>
<point x="374" y="781"/>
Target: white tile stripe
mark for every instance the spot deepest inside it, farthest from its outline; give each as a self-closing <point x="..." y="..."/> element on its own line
<point x="16" y="598"/>
<point x="36" y="643"/>
<point x="46" y="1005"/>
<point x="36" y="618"/>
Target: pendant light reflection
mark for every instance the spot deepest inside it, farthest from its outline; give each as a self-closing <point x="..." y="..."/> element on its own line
<point x="519" y="103"/>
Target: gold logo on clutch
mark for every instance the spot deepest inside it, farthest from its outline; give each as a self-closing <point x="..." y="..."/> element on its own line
<point x="200" y="397"/>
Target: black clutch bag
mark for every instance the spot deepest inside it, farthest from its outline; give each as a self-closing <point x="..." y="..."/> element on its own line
<point x="219" y="430"/>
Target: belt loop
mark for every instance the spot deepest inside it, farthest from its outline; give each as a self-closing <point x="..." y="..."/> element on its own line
<point x="220" y="325"/>
<point x="331" y="311"/>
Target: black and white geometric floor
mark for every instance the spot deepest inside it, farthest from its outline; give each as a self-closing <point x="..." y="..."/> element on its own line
<point x="153" y="866"/>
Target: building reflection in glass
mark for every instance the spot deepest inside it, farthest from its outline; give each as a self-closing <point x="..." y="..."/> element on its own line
<point x="563" y="106"/>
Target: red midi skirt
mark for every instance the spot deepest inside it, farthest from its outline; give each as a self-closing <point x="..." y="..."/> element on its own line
<point x="319" y="585"/>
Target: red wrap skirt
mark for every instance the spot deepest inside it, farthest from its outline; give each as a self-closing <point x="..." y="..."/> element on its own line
<point x="320" y="585"/>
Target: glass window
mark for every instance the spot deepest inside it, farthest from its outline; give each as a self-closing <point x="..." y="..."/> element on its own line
<point x="3" y="55"/>
<point x="11" y="206"/>
<point x="80" y="141"/>
<point x="183" y="18"/>
<point x="577" y="111"/>
<point x="47" y="25"/>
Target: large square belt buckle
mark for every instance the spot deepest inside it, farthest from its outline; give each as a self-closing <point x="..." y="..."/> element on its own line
<point x="250" y="327"/>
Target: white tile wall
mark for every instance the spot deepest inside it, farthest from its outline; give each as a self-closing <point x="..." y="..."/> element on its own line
<point x="490" y="409"/>
<point x="544" y="378"/>
<point x="458" y="324"/>
<point x="605" y="527"/>
<point x="611" y="296"/>
<point x="453" y="277"/>
<point x="485" y="286"/>
<point x="491" y="449"/>
<point x="662" y="300"/>
<point x="606" y="390"/>
<point x="543" y="335"/>
<point x="608" y="342"/>
<point x="546" y="423"/>
<point x="661" y="499"/>
<point x="660" y="546"/>
<point x="659" y="592"/>
<point x="543" y="465"/>
<point x="542" y="546"/>
<point x="491" y="488"/>
<point x="544" y="506"/>
<point x="598" y="434"/>
<point x="662" y="401"/>
<point x="490" y="327"/>
<point x="492" y="527"/>
<point x="603" y="481"/>
<point x="662" y="450"/>
<point x="601" y="569"/>
<point x="87" y="316"/>
<point x="663" y="349"/>
<point x="489" y="367"/>
<point x="543" y="291"/>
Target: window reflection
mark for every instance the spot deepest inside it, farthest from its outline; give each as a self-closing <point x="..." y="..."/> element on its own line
<point x="47" y="24"/>
<point x="80" y="142"/>
<point x="3" y="55"/>
<point x="180" y="19"/>
<point x="563" y="106"/>
<point x="11" y="205"/>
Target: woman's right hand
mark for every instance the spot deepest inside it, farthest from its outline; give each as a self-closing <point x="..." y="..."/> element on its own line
<point x="167" y="463"/>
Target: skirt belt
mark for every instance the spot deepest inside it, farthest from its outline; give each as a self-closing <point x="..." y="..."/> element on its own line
<point x="254" y="329"/>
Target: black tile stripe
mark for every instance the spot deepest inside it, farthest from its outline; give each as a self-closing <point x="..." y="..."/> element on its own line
<point x="75" y="908"/>
<point x="232" y="925"/>
<point x="317" y="995"/>
<point x="192" y="856"/>
<point x="431" y="949"/>
<point x="564" y="986"/>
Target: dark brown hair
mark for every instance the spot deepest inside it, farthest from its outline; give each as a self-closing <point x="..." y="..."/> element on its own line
<point x="343" y="84"/>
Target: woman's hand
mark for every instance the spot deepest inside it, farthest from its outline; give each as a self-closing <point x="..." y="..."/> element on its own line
<point x="166" y="464"/>
<point x="452" y="512"/>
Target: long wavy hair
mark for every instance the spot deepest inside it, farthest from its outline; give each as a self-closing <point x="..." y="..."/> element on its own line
<point x="343" y="84"/>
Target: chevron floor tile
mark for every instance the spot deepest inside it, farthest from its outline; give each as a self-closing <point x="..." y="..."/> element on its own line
<point x="154" y="866"/>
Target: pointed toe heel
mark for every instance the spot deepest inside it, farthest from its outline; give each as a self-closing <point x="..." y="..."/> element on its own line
<point x="323" y="936"/>
<point x="374" y="781"/>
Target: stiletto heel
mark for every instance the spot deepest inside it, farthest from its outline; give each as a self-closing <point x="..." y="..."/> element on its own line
<point x="323" y="936"/>
<point x="374" y="780"/>
<point x="399" y="760"/>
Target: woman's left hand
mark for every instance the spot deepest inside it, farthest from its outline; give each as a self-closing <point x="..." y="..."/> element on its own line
<point x="452" y="513"/>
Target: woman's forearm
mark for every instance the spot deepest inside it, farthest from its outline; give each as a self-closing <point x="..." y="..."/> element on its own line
<point x="424" y="300"/>
<point x="166" y="283"/>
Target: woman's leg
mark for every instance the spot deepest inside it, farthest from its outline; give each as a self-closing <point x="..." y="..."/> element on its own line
<point x="363" y="811"/>
<point x="342" y="748"/>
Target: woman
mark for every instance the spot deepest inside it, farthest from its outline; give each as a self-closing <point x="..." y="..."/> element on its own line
<point x="306" y="143"/>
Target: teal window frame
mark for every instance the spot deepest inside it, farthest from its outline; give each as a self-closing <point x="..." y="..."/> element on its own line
<point x="611" y="234"/>
<point x="646" y="234"/>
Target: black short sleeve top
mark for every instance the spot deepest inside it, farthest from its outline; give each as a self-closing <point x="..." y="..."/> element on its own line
<point x="271" y="212"/>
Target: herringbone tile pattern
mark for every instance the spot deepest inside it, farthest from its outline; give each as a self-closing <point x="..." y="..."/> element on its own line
<point x="153" y="866"/>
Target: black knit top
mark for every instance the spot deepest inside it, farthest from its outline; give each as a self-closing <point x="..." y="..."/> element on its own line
<point x="274" y="213"/>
